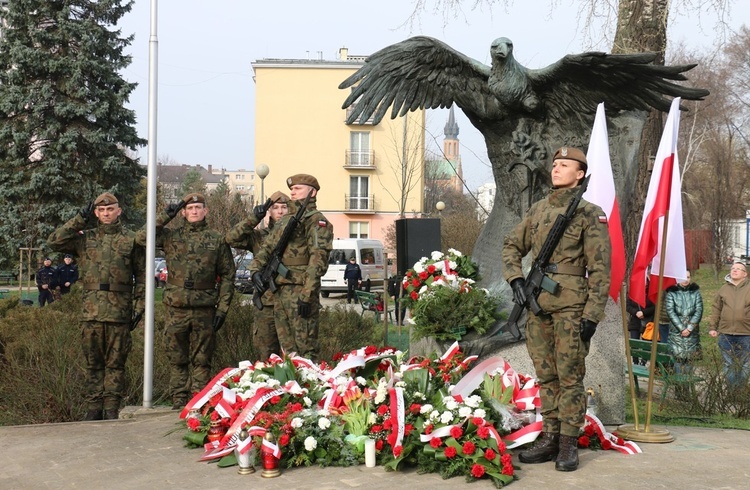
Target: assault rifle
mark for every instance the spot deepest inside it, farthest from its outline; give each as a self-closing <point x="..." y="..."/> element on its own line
<point x="537" y="279"/>
<point x="274" y="265"/>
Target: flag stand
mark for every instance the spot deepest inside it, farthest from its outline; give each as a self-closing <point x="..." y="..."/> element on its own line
<point x="635" y="432"/>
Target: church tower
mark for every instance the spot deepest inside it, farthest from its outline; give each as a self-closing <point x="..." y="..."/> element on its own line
<point x="451" y="151"/>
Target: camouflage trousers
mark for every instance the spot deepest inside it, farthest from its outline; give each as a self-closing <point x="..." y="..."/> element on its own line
<point x="106" y="347"/>
<point x="265" y="339"/>
<point x="296" y="334"/>
<point x="559" y="355"/>
<point x="190" y="341"/>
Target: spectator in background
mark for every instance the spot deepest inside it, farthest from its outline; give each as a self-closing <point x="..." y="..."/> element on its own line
<point x="46" y="282"/>
<point x="638" y="318"/>
<point x="730" y="322"/>
<point x="685" y="309"/>
<point x="394" y="291"/>
<point x="67" y="274"/>
<point x="353" y="277"/>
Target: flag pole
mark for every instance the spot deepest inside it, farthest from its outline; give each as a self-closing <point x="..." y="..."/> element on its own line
<point x="631" y="378"/>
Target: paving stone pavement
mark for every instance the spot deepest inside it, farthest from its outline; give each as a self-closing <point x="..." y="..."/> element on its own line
<point x="144" y="451"/>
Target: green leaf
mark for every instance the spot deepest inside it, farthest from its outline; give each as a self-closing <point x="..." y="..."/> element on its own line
<point x="196" y="438"/>
<point x="228" y="460"/>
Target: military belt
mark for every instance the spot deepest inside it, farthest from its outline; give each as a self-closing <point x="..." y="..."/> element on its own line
<point x="119" y="288"/>
<point x="192" y="284"/>
<point x="568" y="269"/>
<point x="303" y="260"/>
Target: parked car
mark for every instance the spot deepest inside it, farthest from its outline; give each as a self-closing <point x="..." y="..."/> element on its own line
<point x="159" y="266"/>
<point x="242" y="282"/>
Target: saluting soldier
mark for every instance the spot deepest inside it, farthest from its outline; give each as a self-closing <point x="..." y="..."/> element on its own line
<point x="109" y="259"/>
<point x="297" y="302"/>
<point x="558" y="340"/>
<point x="196" y="296"/>
<point x="247" y="235"/>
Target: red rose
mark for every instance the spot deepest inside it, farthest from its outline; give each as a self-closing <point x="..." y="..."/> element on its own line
<point x="424" y="275"/>
<point x="583" y="441"/>
<point x="477" y="471"/>
<point x="414" y="295"/>
<point x="236" y="379"/>
<point x="370" y="349"/>
<point x="275" y="400"/>
<point x="415" y="408"/>
<point x="382" y="410"/>
<point x="397" y="451"/>
<point x="456" y="432"/>
<point x="489" y="454"/>
<point x="284" y="440"/>
<point x="408" y="273"/>
<point x="508" y="470"/>
<point x="501" y="446"/>
<point x="407" y="429"/>
<point x="506" y="460"/>
<point x="478" y="421"/>
<point x="450" y="452"/>
<point x="468" y="448"/>
<point x="415" y="282"/>
<point x="606" y="444"/>
<point x="588" y="430"/>
<point x="193" y="424"/>
<point x="295" y="407"/>
<point x="428" y="429"/>
<point x="431" y="268"/>
<point x="483" y="432"/>
<point x="379" y="444"/>
<point x="436" y="442"/>
<point x="387" y="424"/>
<point x="376" y="428"/>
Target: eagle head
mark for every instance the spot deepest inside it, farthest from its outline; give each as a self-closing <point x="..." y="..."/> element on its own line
<point x="501" y="49"/>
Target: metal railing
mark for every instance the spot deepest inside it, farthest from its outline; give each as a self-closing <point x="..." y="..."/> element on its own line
<point x="359" y="158"/>
<point x="359" y="203"/>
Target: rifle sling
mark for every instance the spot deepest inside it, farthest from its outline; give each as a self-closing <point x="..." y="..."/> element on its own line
<point x="568" y="269"/>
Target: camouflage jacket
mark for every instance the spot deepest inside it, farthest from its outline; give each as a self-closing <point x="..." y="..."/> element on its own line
<point x="246" y="236"/>
<point x="306" y="255"/>
<point x="200" y="263"/>
<point x="108" y="260"/>
<point x="585" y="245"/>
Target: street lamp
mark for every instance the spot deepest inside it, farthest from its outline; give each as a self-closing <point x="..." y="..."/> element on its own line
<point x="262" y="171"/>
<point x="440" y="205"/>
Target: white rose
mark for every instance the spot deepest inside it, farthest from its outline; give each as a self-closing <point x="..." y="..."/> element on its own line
<point x="446" y="417"/>
<point x="310" y="443"/>
<point x="418" y="267"/>
<point x="451" y="404"/>
<point x="425" y="408"/>
<point x="296" y="423"/>
<point x="480" y="413"/>
<point x="464" y="412"/>
<point x="473" y="401"/>
<point x="455" y="252"/>
<point x="436" y="255"/>
<point x="434" y="415"/>
<point x="324" y="423"/>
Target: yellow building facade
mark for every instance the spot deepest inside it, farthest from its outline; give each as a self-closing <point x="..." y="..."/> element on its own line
<point x="367" y="173"/>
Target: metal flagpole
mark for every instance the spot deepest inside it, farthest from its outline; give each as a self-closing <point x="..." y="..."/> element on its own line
<point x="148" y="333"/>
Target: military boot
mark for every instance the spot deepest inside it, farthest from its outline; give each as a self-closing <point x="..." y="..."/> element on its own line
<point x="545" y="449"/>
<point x="567" y="459"/>
<point x="93" y="414"/>
<point x="111" y="414"/>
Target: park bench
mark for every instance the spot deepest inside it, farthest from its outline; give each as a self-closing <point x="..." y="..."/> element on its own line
<point x="6" y="277"/>
<point x="664" y="371"/>
<point x="369" y="302"/>
<point x="3" y="292"/>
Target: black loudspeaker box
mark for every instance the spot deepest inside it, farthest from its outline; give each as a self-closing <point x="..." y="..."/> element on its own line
<point x="415" y="238"/>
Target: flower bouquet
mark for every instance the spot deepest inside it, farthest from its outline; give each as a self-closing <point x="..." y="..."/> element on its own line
<point x="442" y="297"/>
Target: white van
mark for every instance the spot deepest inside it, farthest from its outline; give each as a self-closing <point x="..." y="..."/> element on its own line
<point x="369" y="256"/>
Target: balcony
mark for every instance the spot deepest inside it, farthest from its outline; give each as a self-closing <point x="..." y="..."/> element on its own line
<point x="359" y="121"/>
<point x="361" y="160"/>
<point x="359" y="205"/>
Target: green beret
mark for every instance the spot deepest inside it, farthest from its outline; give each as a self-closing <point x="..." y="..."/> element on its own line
<point x="304" y="179"/>
<point x="279" y="196"/>
<point x="105" y="199"/>
<point x="570" y="153"/>
<point x="194" y="197"/>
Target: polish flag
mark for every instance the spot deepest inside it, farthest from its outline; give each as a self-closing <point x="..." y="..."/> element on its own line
<point x="601" y="191"/>
<point x="663" y="196"/>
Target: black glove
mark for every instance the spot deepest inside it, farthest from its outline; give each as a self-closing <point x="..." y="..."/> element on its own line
<point x="218" y="322"/>
<point x="87" y="211"/>
<point x="261" y="209"/>
<point x="304" y="309"/>
<point x="257" y="281"/>
<point x="174" y="208"/>
<point x="519" y="296"/>
<point x="136" y="320"/>
<point x="588" y="329"/>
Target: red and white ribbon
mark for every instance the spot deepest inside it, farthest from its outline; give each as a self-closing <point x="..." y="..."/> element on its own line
<point x="210" y="390"/>
<point x="272" y="448"/>
<point x="627" y="447"/>
<point x="397" y="415"/>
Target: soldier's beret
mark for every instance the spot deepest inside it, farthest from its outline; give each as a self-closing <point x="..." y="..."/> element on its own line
<point x="304" y="179"/>
<point x="194" y="197"/>
<point x="570" y="153"/>
<point x="105" y="199"/>
<point x="279" y="196"/>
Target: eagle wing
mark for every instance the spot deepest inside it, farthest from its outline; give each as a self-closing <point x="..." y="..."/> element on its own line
<point x="578" y="83"/>
<point x="418" y="73"/>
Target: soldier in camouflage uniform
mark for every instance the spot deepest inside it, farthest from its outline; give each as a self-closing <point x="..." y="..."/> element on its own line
<point x="248" y="236"/>
<point x="297" y="302"/>
<point x="197" y="294"/>
<point x="108" y="259"/>
<point x="558" y="340"/>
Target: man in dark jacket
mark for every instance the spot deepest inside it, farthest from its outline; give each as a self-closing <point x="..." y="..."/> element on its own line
<point x="353" y="277"/>
<point x="46" y="282"/>
<point x="67" y="274"/>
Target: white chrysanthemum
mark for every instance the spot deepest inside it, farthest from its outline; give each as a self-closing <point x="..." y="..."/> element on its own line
<point x="425" y="408"/>
<point x="434" y="415"/>
<point x="446" y="417"/>
<point x="453" y="251"/>
<point x="480" y="413"/>
<point x="473" y="401"/>
<point x="323" y="412"/>
<point x="296" y="423"/>
<point x="436" y="255"/>
<point x="361" y="381"/>
<point x="451" y="404"/>
<point x="307" y="401"/>
<point x="324" y="423"/>
<point x="310" y="443"/>
<point x="464" y="412"/>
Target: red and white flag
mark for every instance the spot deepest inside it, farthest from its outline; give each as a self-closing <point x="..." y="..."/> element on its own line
<point x="663" y="196"/>
<point x="601" y="191"/>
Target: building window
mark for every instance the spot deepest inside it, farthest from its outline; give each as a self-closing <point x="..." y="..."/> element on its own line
<point x="240" y="187"/>
<point x="359" y="145"/>
<point x="359" y="229"/>
<point x="359" y="193"/>
<point x="239" y="177"/>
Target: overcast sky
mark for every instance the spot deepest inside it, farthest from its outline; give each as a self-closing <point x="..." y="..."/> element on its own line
<point x="206" y="111"/>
